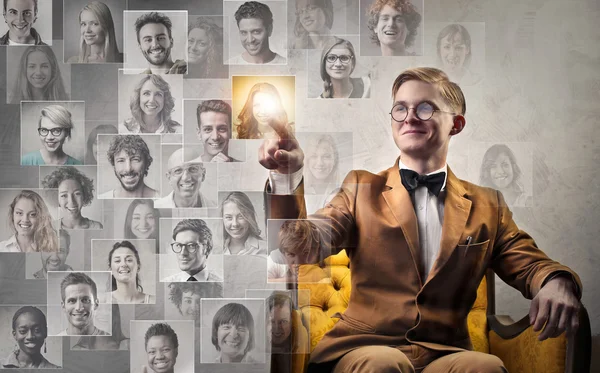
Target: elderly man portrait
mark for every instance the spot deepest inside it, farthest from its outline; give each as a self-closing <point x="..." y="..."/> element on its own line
<point x="419" y="241"/>
<point x="185" y="179"/>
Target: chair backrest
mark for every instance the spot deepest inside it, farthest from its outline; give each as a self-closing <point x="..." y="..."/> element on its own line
<point x="329" y="293"/>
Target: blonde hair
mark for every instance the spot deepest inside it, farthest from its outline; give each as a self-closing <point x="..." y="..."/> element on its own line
<point x="44" y="237"/>
<point x="102" y="13"/>
<point x="450" y="91"/>
<point x="59" y="116"/>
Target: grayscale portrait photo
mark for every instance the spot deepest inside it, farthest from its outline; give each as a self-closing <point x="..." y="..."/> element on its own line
<point x="26" y="22"/>
<point x="243" y="228"/>
<point x="314" y="23"/>
<point x="391" y="27"/>
<point x="206" y="48"/>
<point x="338" y="71"/>
<point x="37" y="73"/>
<point x="507" y="168"/>
<point x="93" y="31"/>
<point x="191" y="250"/>
<point x="78" y="207"/>
<point x="151" y="104"/>
<point x="257" y="32"/>
<point x="24" y="341"/>
<point x="155" y="41"/>
<point x="69" y="256"/>
<point x="118" y="340"/>
<point x="128" y="166"/>
<point x="93" y="128"/>
<point x="30" y="223"/>
<point x="233" y="331"/>
<point x="208" y="128"/>
<point x="187" y="181"/>
<point x="182" y="299"/>
<point x="458" y="49"/>
<point x="52" y="133"/>
<point x="137" y="219"/>
<point x="79" y="304"/>
<point x="132" y="264"/>
<point x="162" y="346"/>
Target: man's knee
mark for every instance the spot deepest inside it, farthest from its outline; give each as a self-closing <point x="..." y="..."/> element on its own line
<point x="374" y="359"/>
<point x="478" y="362"/>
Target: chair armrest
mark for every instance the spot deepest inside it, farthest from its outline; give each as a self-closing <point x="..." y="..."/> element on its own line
<point x="517" y="345"/>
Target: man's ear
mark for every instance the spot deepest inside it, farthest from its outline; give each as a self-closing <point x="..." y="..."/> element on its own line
<point x="270" y="30"/>
<point x="62" y="304"/>
<point x="96" y="304"/>
<point x="458" y="124"/>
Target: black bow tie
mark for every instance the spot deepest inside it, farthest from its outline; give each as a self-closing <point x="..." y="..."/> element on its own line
<point x="411" y="180"/>
<point x="192" y="278"/>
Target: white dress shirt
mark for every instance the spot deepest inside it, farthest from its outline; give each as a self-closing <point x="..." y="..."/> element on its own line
<point x="206" y="275"/>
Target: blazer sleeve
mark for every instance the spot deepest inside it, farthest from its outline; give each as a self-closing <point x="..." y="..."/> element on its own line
<point x="517" y="259"/>
<point x="335" y="221"/>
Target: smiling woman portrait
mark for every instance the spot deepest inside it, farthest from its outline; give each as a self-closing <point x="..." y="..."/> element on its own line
<point x="29" y="329"/>
<point x="38" y="77"/>
<point x="338" y="61"/>
<point x="314" y="19"/>
<point x="499" y="170"/>
<point x="151" y="105"/>
<point x="75" y="191"/>
<point x="124" y="263"/>
<point x="97" y="41"/>
<point x="55" y="126"/>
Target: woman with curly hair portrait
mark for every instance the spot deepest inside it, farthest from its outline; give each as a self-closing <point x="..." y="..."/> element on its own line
<point x="499" y="170"/>
<point x="31" y="223"/>
<point x="75" y="191"/>
<point x="263" y="105"/>
<point x="394" y="26"/>
<point x="205" y="50"/>
<point x="151" y="106"/>
<point x="97" y="42"/>
<point x="38" y="77"/>
<point x="338" y="61"/>
<point x="241" y="234"/>
<point x="55" y="126"/>
<point x="314" y="19"/>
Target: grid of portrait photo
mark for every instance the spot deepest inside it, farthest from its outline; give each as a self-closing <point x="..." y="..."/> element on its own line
<point x="138" y="236"/>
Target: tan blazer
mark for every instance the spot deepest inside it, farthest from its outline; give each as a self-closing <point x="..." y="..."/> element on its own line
<point x="391" y="303"/>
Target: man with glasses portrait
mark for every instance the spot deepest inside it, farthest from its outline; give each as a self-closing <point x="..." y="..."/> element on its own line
<point x="185" y="179"/>
<point x="192" y="243"/>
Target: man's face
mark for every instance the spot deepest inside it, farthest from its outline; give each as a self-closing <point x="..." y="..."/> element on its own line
<point x="421" y="139"/>
<point x="254" y="36"/>
<point x="155" y="43"/>
<point x="190" y="262"/>
<point x="214" y="132"/>
<point x="391" y="29"/>
<point x="20" y="16"/>
<point x="129" y="169"/>
<point x="54" y="261"/>
<point x="162" y="354"/>
<point x="185" y="178"/>
<point x="190" y="305"/>
<point x="79" y="305"/>
<point x="280" y="326"/>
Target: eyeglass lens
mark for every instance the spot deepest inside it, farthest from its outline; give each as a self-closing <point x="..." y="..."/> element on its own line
<point x="424" y="111"/>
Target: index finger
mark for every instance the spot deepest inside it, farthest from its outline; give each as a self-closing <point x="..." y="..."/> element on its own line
<point x="280" y="125"/>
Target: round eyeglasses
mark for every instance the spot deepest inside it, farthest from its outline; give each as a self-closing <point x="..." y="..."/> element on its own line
<point x="54" y="131"/>
<point x="344" y="58"/>
<point x="424" y="111"/>
<point x="191" y="247"/>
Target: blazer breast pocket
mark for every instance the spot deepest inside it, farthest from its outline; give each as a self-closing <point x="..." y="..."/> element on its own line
<point x="472" y="258"/>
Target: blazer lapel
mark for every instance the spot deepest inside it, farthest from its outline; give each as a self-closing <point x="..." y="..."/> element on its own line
<point x="456" y="213"/>
<point x="400" y="203"/>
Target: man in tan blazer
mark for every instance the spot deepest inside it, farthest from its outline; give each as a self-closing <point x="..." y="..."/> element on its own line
<point x="419" y="241"/>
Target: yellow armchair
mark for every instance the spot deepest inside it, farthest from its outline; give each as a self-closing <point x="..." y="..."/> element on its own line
<point x="514" y="343"/>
